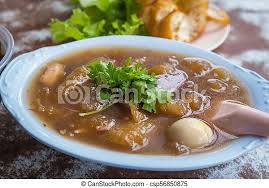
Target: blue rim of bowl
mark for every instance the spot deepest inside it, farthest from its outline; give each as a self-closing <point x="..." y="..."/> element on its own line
<point x="8" y="39"/>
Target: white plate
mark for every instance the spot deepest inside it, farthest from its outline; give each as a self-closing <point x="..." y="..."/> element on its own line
<point x="214" y="35"/>
<point x="15" y="79"/>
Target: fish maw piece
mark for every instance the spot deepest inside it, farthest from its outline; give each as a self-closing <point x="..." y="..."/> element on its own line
<point x="78" y="90"/>
<point x="175" y="108"/>
<point x="198" y="66"/>
<point x="136" y="115"/>
<point x="102" y="123"/>
<point x="161" y="69"/>
<point x="126" y="138"/>
<point x="132" y="136"/>
<point x="53" y="74"/>
<point x="78" y="77"/>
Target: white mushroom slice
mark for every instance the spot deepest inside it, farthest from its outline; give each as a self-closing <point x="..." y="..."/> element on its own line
<point x="53" y="74"/>
<point x="191" y="132"/>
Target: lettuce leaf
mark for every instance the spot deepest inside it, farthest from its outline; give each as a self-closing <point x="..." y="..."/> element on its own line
<point x="98" y="18"/>
<point x="129" y="27"/>
<point x="101" y="4"/>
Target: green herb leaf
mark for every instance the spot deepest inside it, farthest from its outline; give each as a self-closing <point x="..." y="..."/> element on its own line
<point x="96" y="111"/>
<point x="101" y="4"/>
<point x="126" y="78"/>
<point x="98" y="18"/>
<point x="71" y="28"/>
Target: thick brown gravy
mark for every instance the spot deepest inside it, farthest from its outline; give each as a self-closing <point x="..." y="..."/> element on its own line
<point x="213" y="83"/>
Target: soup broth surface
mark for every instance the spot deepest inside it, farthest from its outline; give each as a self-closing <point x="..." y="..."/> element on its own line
<point x="114" y="128"/>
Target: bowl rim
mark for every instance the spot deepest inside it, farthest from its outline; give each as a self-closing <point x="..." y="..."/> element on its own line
<point x="9" y="48"/>
<point x="16" y="105"/>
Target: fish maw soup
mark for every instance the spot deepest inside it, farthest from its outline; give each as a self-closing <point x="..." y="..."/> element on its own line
<point x="134" y="100"/>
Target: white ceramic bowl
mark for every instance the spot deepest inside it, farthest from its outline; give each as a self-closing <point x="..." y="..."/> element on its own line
<point x="15" y="78"/>
<point x="7" y="41"/>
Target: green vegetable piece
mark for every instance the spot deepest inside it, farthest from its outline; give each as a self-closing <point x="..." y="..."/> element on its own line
<point x="96" y="111"/>
<point x="71" y="28"/>
<point x="101" y="4"/>
<point x="98" y="18"/>
<point x="95" y="29"/>
<point x="126" y="78"/>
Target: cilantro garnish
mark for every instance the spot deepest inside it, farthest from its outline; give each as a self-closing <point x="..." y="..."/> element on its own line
<point x="129" y="77"/>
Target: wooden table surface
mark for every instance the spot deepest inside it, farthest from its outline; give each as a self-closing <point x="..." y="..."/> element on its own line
<point x="23" y="157"/>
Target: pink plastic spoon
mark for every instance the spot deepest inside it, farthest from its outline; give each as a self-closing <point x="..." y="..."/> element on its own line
<point x="238" y="119"/>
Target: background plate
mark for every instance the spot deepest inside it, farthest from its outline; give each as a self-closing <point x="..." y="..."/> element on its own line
<point x="214" y="35"/>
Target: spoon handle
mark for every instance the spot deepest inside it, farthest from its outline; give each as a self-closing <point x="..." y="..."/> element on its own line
<point x="256" y="122"/>
<point x="239" y="120"/>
